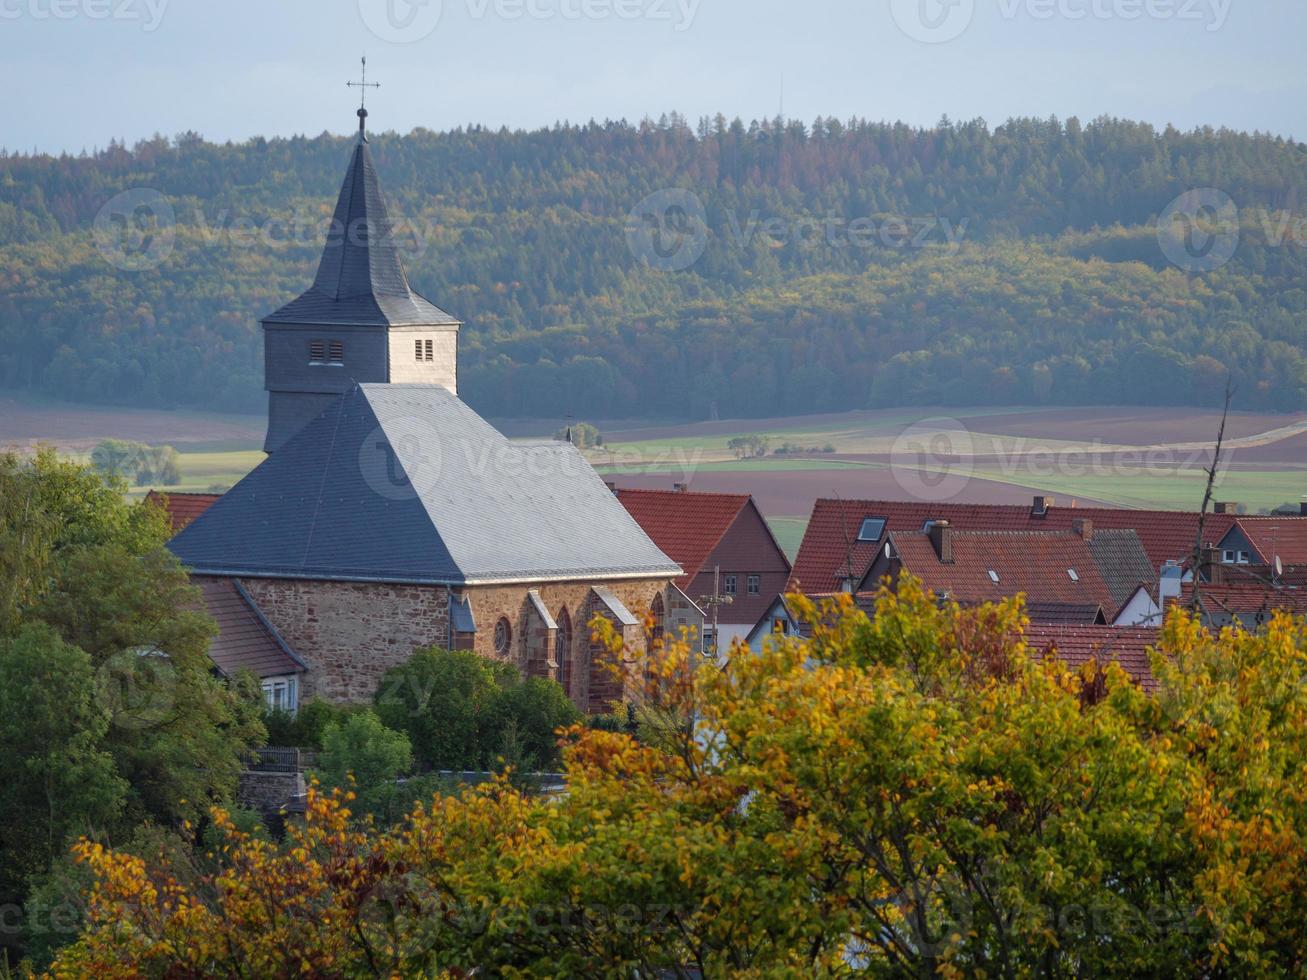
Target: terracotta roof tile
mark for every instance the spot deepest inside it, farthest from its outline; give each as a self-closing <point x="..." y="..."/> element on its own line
<point x="182" y="508"/>
<point x="685" y="525"/>
<point x="1283" y="535"/>
<point x="988" y="566"/>
<point x="245" y="638"/>
<point x="1075" y="646"/>
<point x="831" y="536"/>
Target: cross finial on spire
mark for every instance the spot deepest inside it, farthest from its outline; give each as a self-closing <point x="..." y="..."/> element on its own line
<point x="363" y="85"/>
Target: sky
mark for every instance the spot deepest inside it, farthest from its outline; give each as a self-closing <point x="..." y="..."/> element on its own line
<point x="79" y="73"/>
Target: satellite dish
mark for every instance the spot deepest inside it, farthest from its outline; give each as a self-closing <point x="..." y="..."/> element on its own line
<point x="1279" y="567"/>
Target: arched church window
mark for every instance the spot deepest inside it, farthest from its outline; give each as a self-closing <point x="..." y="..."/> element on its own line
<point x="503" y="636"/>
<point x="563" y="649"/>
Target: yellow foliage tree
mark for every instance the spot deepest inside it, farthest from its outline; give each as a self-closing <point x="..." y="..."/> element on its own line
<point x="914" y="794"/>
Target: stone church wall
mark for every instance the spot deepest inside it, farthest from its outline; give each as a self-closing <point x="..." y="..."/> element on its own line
<point x="490" y="603"/>
<point x="350" y="633"/>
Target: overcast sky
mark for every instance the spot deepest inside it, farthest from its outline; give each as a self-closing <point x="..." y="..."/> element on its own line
<point x="77" y="73"/>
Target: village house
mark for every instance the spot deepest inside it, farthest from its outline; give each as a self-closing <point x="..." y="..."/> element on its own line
<point x="843" y="536"/>
<point x="725" y="549"/>
<point x="389" y="516"/>
<point x="1081" y="576"/>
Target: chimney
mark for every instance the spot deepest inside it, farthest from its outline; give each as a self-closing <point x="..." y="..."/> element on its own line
<point x="611" y="485"/>
<point x="1084" y="527"/>
<point x="1302" y="507"/>
<point x="1225" y="507"/>
<point x="1040" y="507"/>
<point x="680" y="487"/>
<point x="941" y="539"/>
<point x="1210" y="562"/>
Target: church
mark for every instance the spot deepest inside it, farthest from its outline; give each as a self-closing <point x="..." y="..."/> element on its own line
<point x="389" y="516"/>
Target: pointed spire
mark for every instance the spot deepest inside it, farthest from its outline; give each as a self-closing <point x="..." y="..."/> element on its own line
<point x="361" y="278"/>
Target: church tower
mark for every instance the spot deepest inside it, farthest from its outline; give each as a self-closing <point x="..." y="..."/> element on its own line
<point x="360" y="321"/>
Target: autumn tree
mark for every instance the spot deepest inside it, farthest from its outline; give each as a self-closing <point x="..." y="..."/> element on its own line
<point x="913" y="794"/>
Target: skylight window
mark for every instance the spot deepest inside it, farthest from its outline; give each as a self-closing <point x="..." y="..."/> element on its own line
<point x="872" y="528"/>
<point x="1072" y="573"/>
<point x="993" y="576"/>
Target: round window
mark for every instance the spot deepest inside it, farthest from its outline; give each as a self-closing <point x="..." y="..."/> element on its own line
<point x="503" y="637"/>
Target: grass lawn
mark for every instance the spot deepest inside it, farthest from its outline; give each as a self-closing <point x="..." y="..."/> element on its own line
<point x="1181" y="489"/>
<point x="789" y="533"/>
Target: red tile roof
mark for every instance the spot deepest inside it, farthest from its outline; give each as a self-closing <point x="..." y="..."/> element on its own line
<point x="831" y="537"/>
<point x="685" y="525"/>
<point x="245" y="638"/>
<point x="1283" y="535"/>
<point x="1075" y="646"/>
<point x="182" y="508"/>
<point x="1244" y="598"/>
<point x="1036" y="563"/>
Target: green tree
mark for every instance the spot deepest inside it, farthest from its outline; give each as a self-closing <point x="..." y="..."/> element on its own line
<point x="464" y="711"/>
<point x="442" y="699"/>
<point x="363" y="754"/>
<point x="60" y="780"/>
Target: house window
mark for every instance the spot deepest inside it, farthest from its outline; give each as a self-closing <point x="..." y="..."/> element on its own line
<point x="281" y="693"/>
<point x="336" y="352"/>
<point x="754" y="584"/>
<point x="780" y="625"/>
<point x="1071" y="573"/>
<point x="1242" y="558"/>
<point x="728" y="585"/>
<point x="317" y="351"/>
<point x="1227" y="557"/>
<point x="993" y="576"/>
<point x="503" y="636"/>
<point x="872" y="528"/>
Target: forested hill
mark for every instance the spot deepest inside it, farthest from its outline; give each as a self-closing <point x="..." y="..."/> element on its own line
<point x="1026" y="268"/>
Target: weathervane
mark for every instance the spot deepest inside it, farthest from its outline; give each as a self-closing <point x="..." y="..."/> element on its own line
<point x="363" y="85"/>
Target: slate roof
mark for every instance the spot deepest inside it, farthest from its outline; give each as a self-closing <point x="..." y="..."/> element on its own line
<point x="245" y="638"/>
<point x="832" y="531"/>
<point x="405" y="483"/>
<point x="1075" y="646"/>
<point x="1033" y="562"/>
<point x="361" y="279"/>
<point x="1122" y="562"/>
<point x="686" y="525"/>
<point x="182" y="508"/>
<point x="1065" y="613"/>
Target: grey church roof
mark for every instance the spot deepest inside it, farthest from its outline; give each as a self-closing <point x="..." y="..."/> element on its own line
<point x="405" y="483"/>
<point x="361" y="279"/>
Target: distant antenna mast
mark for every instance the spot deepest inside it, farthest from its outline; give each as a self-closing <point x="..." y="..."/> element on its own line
<point x="363" y="85"/>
